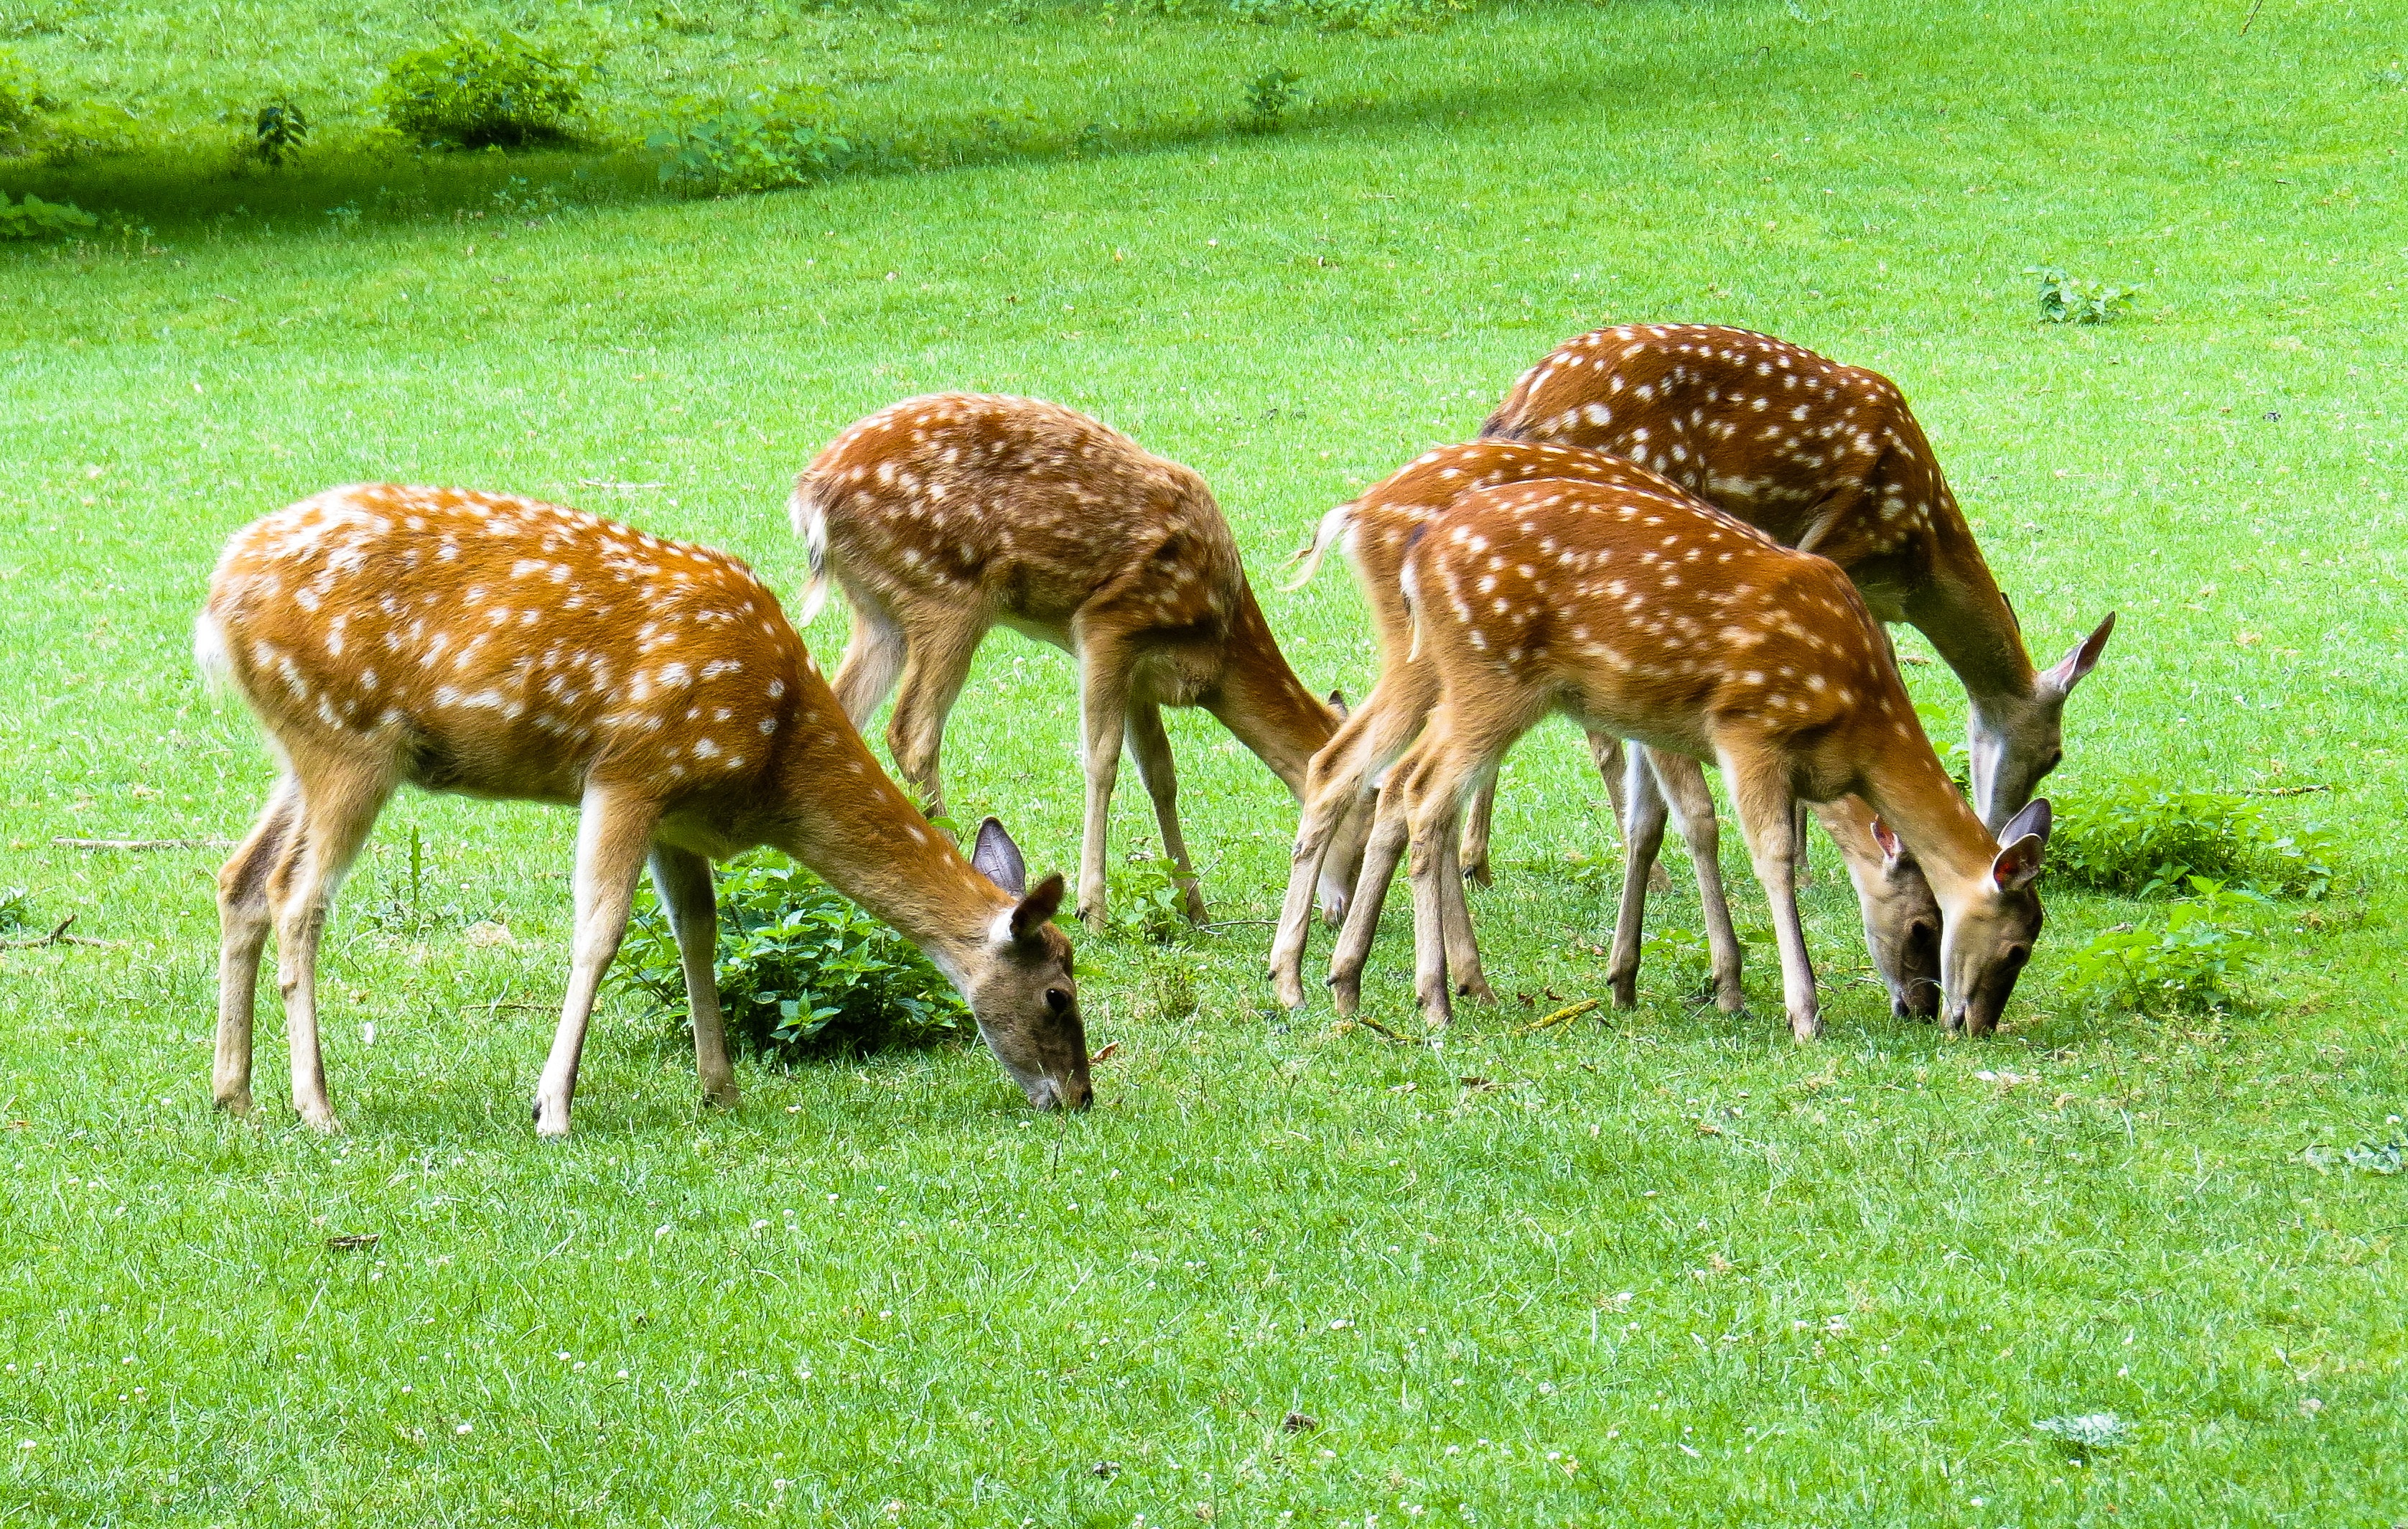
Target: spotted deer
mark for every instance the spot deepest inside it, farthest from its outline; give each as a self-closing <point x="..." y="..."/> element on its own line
<point x="1376" y="529"/>
<point x="944" y="517"/>
<point x="1827" y="458"/>
<point x="1647" y="614"/>
<point x="494" y="646"/>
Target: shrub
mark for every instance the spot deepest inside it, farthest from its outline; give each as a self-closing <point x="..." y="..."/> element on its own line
<point x="1267" y="97"/>
<point x="2142" y="841"/>
<point x="22" y="101"/>
<point x="801" y="968"/>
<point x="2208" y="941"/>
<point x="770" y="138"/>
<point x="33" y="218"/>
<point x="2071" y="299"/>
<point x="475" y="93"/>
<point x="277" y="130"/>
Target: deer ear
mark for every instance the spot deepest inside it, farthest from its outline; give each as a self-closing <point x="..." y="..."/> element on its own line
<point x="1038" y="908"/>
<point x="1892" y="850"/>
<point x="2037" y="818"/>
<point x="2070" y="670"/>
<point x="2018" y="864"/>
<point x="1338" y="703"/>
<point x="998" y="859"/>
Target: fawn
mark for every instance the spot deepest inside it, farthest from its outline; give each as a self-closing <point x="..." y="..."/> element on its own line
<point x="1647" y="614"/>
<point x="494" y="646"/>
<point x="1827" y="458"/>
<point x="944" y="517"/>
<point x="1901" y="922"/>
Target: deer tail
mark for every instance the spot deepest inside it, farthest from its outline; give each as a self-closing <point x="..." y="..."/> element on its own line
<point x="809" y="512"/>
<point x="209" y="653"/>
<point x="1329" y="533"/>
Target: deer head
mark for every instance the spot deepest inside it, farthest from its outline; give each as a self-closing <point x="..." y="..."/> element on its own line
<point x="1022" y="991"/>
<point x="2015" y="740"/>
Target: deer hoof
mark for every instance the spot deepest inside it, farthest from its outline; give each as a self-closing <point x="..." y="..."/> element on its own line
<point x="723" y="1096"/>
<point x="1805" y="1029"/>
<point x="1346" y="995"/>
<point x="322" y="1120"/>
<point x="235" y="1101"/>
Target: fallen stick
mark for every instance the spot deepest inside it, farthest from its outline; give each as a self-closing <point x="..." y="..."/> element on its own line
<point x="143" y="843"/>
<point x="2284" y="790"/>
<point x="60" y="936"/>
<point x="1563" y="1016"/>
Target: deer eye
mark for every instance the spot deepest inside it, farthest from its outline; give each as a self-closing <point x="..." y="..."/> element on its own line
<point x="1057" y="1000"/>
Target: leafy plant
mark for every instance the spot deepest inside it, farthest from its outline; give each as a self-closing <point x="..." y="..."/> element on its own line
<point x="277" y="130"/>
<point x="1681" y="953"/>
<point x="2144" y="842"/>
<point x="770" y="138"/>
<point x="475" y="92"/>
<point x="2370" y="1157"/>
<point x="2072" y="299"/>
<point x="16" y="909"/>
<point x="1149" y="902"/>
<point x="2187" y="965"/>
<point x="22" y="100"/>
<point x="33" y="218"/>
<point x="799" y="967"/>
<point x="1267" y="97"/>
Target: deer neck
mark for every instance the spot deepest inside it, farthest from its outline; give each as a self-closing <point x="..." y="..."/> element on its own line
<point x="1261" y="700"/>
<point x="1914" y="795"/>
<point x="1965" y="614"/>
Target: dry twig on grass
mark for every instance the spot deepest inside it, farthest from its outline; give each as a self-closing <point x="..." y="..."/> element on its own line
<point x="143" y="843"/>
<point x="60" y="936"/>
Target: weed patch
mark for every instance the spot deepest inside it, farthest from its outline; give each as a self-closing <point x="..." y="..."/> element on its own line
<point x="771" y="139"/>
<point x="33" y="218"/>
<point x="2187" y="965"/>
<point x="477" y="92"/>
<point x="2073" y="299"/>
<point x="2139" y="841"/>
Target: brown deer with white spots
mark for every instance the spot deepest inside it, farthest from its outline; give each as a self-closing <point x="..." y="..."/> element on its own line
<point x="1647" y="614"/>
<point x="1827" y="458"/>
<point x="495" y="646"/>
<point x="1376" y="529"/>
<point x="944" y="517"/>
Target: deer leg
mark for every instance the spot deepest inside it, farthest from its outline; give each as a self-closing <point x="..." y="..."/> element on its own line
<point x="874" y="653"/>
<point x="1103" y="717"/>
<point x="1805" y="865"/>
<point x="1606" y="750"/>
<point x="1148" y="748"/>
<point x="1479" y="815"/>
<point x="614" y="829"/>
<point x="1683" y="781"/>
<point x="1642" y="839"/>
<point x="939" y="661"/>
<point x="1334" y="821"/>
<point x="684" y="882"/>
<point x="244" y="922"/>
<point x="1381" y="852"/>
<point x="339" y="799"/>
<point x="1768" y="816"/>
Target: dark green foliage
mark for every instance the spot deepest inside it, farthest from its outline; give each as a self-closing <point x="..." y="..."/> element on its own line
<point x="22" y="100"/>
<point x="1149" y="902"/>
<point x="33" y="218"/>
<point x="475" y="93"/>
<point x="2142" y="841"/>
<point x="768" y="139"/>
<point x="2186" y="966"/>
<point x="1269" y="96"/>
<point x="801" y="968"/>
<point x="16" y="909"/>
<point x="277" y="130"/>
<point x="2072" y="299"/>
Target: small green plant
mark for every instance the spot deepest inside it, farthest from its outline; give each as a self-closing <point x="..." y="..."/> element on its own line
<point x="33" y="218"/>
<point x="1681" y="954"/>
<point x="2141" y="842"/>
<point x="2084" y="1432"/>
<point x="2185" y="966"/>
<point x="2367" y="1157"/>
<point x="1267" y="97"/>
<point x="22" y="100"/>
<point x="801" y="968"/>
<point x="2072" y="299"/>
<point x="770" y="138"/>
<point x="1150" y="902"/>
<point x="277" y="130"/>
<point x="476" y="92"/>
<point x="343" y="219"/>
<point x="16" y="909"/>
<point x="534" y="204"/>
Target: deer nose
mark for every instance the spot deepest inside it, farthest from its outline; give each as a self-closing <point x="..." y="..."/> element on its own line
<point x="1077" y="1094"/>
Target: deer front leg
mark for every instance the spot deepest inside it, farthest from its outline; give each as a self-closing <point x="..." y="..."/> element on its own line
<point x="942" y="645"/>
<point x="1605" y="751"/>
<point x="614" y="829"/>
<point x="244" y="923"/>
<point x="1149" y="747"/>
<point x="1334" y="819"/>
<point x="1103" y="717"/>
<point x="1381" y="852"/>
<point x="1768" y="816"/>
<point x="1454" y="923"/>
<point x="1642" y="840"/>
<point x="1683" y="781"/>
<point x="684" y="882"/>
<point x="340" y="803"/>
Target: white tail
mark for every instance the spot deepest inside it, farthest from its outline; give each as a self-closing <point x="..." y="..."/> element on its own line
<point x="809" y="518"/>
<point x="1330" y="532"/>
<point x="492" y="645"/>
<point x="943" y="516"/>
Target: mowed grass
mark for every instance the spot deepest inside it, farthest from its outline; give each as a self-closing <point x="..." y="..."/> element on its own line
<point x="1665" y="1269"/>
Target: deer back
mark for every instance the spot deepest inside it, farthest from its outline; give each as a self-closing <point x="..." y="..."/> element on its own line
<point x="1819" y="455"/>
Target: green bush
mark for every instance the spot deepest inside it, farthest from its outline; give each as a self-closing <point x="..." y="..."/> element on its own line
<point x="475" y="93"/>
<point x="768" y="139"/>
<point x="2207" y="943"/>
<point x="801" y="968"/>
<point x="2071" y="299"/>
<point x="277" y="130"/>
<point x="22" y="100"/>
<point x="2142" y="841"/>
<point x="33" y="218"/>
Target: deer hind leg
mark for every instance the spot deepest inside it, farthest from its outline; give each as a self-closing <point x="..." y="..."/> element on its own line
<point x="1381" y="852"/>
<point x="874" y="653"/>
<point x="244" y="920"/>
<point x="338" y="801"/>
<point x="1642" y="839"/>
<point x="684" y="882"/>
<point x="1605" y="750"/>
<point x="1683" y="781"/>
<point x="1148" y="748"/>
<point x="1335" y="819"/>
<point x="942" y="648"/>
<point x="614" y="830"/>
<point x="1446" y="951"/>
<point x="1760" y="788"/>
<point x="1479" y="816"/>
<point x="1103" y="720"/>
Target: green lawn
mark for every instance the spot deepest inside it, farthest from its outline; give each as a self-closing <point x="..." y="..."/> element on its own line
<point x="1670" y="1269"/>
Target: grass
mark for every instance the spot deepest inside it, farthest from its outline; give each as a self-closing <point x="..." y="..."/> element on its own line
<point x="1666" y="1269"/>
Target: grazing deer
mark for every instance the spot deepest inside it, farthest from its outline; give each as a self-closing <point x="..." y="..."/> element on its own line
<point x="1826" y="458"/>
<point x="490" y="645"/>
<point x="1648" y="615"/>
<point x="944" y="515"/>
<point x="1376" y="529"/>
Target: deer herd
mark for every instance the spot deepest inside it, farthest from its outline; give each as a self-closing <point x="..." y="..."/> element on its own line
<point x="1683" y="538"/>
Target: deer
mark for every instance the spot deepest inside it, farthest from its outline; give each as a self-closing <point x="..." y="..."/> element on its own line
<point x="1649" y="614"/>
<point x="1827" y="458"/>
<point x="1376" y="529"/>
<point x="944" y="517"/>
<point x="492" y="646"/>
